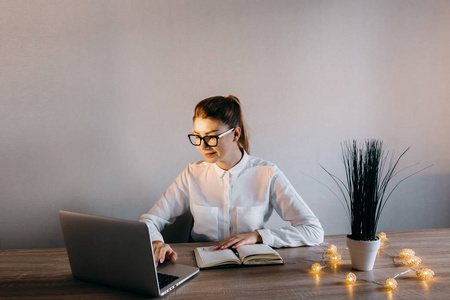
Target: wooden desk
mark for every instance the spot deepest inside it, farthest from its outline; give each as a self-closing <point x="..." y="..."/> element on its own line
<point x="45" y="274"/>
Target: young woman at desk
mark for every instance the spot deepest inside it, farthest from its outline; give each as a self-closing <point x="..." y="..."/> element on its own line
<point x="231" y="194"/>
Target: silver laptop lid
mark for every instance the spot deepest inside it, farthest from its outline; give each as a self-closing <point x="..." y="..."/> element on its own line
<point x="114" y="252"/>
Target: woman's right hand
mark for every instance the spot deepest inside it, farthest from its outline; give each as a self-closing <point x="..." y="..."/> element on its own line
<point x="162" y="252"/>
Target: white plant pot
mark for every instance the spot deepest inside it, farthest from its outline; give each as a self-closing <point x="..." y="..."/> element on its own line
<point x="363" y="253"/>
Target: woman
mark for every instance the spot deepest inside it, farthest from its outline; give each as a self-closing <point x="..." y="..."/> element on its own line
<point x="231" y="194"/>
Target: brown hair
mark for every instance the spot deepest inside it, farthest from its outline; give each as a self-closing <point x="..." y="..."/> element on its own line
<point x="226" y="109"/>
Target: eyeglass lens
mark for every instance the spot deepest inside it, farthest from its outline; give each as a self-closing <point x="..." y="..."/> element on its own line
<point x="210" y="140"/>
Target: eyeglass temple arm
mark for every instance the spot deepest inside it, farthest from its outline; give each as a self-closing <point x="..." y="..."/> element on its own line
<point x="226" y="132"/>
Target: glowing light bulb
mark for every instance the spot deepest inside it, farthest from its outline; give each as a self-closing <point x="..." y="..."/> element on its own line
<point x="406" y="253"/>
<point x="335" y="258"/>
<point x="391" y="283"/>
<point x="412" y="261"/>
<point x="332" y="249"/>
<point x="316" y="267"/>
<point x="382" y="236"/>
<point x="350" y="278"/>
<point x="424" y="273"/>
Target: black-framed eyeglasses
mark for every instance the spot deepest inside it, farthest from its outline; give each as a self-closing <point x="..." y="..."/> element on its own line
<point x="209" y="140"/>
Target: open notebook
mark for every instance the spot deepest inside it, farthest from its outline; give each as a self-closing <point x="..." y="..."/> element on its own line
<point x="257" y="254"/>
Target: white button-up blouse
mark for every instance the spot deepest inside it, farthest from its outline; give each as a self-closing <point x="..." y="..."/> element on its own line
<point x="239" y="200"/>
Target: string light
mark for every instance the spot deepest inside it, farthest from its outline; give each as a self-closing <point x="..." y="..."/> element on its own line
<point x="405" y="253"/>
<point x="391" y="284"/>
<point x="350" y="278"/>
<point x="332" y="256"/>
<point x="407" y="256"/>
<point x="424" y="273"/>
<point x="316" y="267"/>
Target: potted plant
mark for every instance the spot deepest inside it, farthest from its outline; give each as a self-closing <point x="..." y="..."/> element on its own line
<point x="369" y="172"/>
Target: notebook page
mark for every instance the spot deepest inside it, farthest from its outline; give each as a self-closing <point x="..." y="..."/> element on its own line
<point x="255" y="249"/>
<point x="210" y="255"/>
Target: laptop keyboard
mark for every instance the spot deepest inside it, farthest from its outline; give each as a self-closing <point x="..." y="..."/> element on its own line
<point x="165" y="279"/>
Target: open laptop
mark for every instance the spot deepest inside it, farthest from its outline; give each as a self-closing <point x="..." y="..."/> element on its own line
<point x="118" y="253"/>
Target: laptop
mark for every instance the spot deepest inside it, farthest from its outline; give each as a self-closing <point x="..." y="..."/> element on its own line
<point x="118" y="253"/>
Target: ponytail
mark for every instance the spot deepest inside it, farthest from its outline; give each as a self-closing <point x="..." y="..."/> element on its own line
<point x="227" y="110"/>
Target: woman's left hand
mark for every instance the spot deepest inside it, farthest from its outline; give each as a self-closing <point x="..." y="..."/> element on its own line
<point x="238" y="240"/>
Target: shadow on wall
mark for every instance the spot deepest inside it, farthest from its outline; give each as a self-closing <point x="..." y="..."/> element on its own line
<point x="421" y="202"/>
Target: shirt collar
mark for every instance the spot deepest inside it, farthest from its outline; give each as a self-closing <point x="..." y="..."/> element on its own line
<point x="234" y="171"/>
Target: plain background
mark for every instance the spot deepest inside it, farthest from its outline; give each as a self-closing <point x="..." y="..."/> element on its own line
<point x="97" y="98"/>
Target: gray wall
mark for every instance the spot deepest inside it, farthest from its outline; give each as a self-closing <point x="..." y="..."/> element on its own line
<point x="97" y="98"/>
